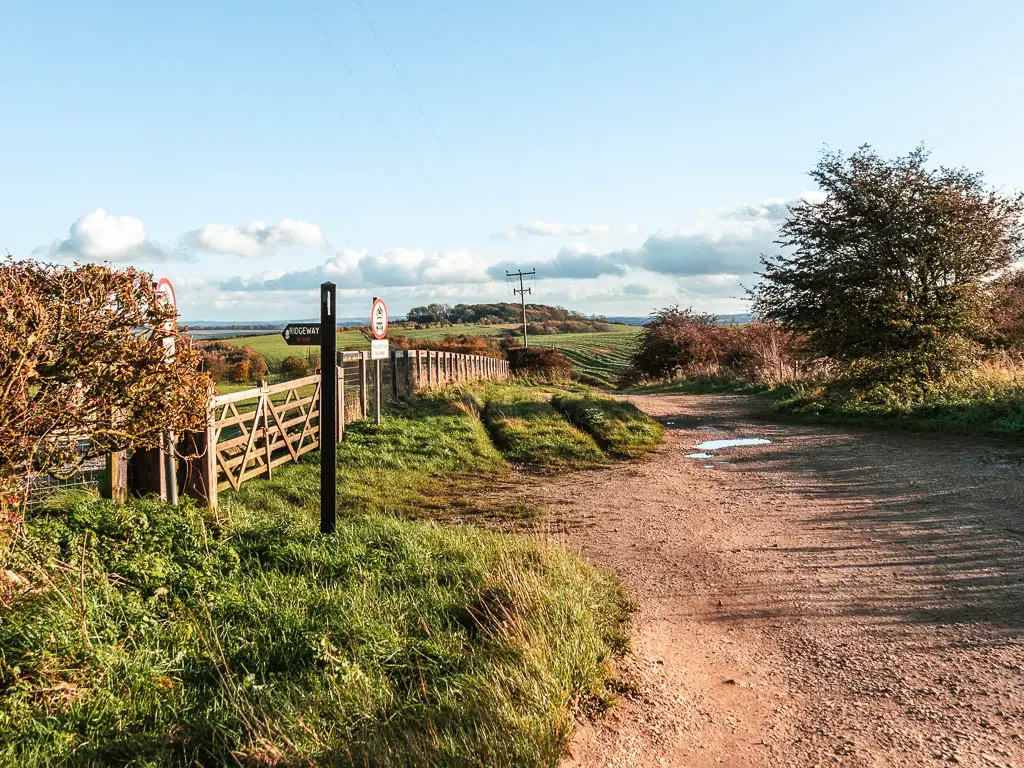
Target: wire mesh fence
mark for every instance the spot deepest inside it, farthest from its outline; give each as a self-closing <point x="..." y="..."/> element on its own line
<point x="87" y="474"/>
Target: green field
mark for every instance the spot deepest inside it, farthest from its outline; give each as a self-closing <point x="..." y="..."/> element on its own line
<point x="598" y="357"/>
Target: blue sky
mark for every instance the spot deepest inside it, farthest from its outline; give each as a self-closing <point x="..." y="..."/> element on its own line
<point x="635" y="153"/>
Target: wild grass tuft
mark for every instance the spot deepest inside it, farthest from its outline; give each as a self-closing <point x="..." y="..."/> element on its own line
<point x="619" y="428"/>
<point x="528" y="430"/>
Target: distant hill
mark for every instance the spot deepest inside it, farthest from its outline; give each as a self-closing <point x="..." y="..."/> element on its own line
<point x="541" y="319"/>
<point x="499" y="313"/>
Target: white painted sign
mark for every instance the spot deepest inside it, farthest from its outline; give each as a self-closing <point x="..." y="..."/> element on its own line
<point x="378" y="349"/>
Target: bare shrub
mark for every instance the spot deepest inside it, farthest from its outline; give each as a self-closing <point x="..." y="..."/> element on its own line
<point x="82" y="354"/>
<point x="227" y="362"/>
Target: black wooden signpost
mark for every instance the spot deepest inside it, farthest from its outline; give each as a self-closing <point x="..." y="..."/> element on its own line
<point x="328" y="406"/>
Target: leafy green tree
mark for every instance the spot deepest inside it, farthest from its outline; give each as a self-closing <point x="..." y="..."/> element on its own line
<point x="885" y="273"/>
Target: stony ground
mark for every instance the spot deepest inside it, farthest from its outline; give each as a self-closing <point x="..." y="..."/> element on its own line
<point x="837" y="597"/>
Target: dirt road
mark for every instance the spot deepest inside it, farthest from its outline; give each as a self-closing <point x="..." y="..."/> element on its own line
<point x="834" y="598"/>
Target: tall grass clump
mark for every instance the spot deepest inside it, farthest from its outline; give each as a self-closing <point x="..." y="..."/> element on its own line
<point x="619" y="428"/>
<point x="151" y="635"/>
<point x="528" y="430"/>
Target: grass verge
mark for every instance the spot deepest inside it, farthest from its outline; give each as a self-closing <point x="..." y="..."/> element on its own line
<point x="150" y="635"/>
<point x="410" y="465"/>
<point x="994" y="413"/>
<point x="972" y="407"/>
<point x="619" y="428"/>
<point x="528" y="430"/>
<point x="702" y="386"/>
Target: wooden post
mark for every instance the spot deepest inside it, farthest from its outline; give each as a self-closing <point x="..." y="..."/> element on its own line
<point x="418" y="380"/>
<point x="147" y="472"/>
<point x="209" y="460"/>
<point x="200" y="477"/>
<point x="394" y="375"/>
<point x="377" y="393"/>
<point x="265" y="403"/>
<point x="363" y="409"/>
<point x="116" y="484"/>
<point x="341" y="398"/>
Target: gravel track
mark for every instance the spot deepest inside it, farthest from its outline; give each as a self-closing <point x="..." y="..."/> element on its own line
<point x="839" y="597"/>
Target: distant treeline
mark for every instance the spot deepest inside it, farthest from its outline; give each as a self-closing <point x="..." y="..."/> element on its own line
<point x="234" y="326"/>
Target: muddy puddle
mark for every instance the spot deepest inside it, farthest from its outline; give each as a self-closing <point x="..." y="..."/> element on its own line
<point x="702" y="449"/>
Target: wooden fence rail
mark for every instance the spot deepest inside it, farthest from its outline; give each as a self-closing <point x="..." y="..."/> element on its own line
<point x="250" y="432"/>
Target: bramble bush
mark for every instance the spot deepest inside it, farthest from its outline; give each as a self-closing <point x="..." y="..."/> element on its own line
<point x="294" y="367"/>
<point x="680" y="343"/>
<point x="226" y="362"/>
<point x="540" y="364"/>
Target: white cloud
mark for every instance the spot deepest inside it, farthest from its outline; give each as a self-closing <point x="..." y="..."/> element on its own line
<point x="256" y="240"/>
<point x="387" y="268"/>
<point x="707" y="263"/>
<point x="549" y="229"/>
<point x="731" y="243"/>
<point x="100" y="236"/>
<point x="574" y="261"/>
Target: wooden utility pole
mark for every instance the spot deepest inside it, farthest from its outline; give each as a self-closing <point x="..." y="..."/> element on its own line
<point x="522" y="296"/>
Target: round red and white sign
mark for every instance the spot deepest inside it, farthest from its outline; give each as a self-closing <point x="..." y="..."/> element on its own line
<point x="379" y="319"/>
<point x="165" y="297"/>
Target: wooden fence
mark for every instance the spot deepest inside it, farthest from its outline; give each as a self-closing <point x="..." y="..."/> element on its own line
<point x="251" y="432"/>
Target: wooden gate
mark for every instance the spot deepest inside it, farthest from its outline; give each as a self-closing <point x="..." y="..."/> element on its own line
<point x="251" y="438"/>
<point x="250" y="432"/>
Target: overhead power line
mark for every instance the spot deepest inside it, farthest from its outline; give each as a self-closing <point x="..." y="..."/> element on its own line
<point x="398" y="72"/>
<point x="316" y="86"/>
<point x="369" y="98"/>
